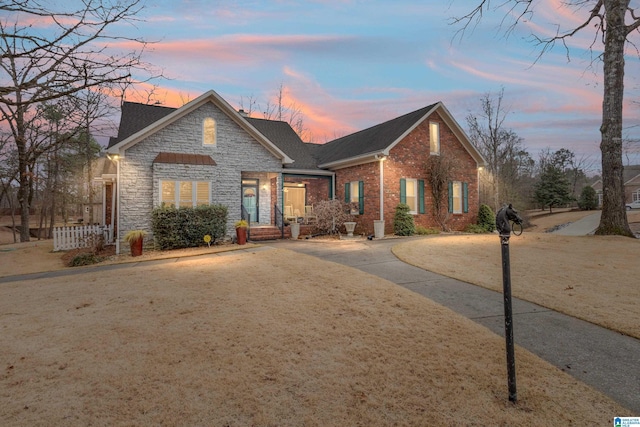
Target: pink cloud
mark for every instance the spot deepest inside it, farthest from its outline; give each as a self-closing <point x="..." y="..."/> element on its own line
<point x="241" y="48"/>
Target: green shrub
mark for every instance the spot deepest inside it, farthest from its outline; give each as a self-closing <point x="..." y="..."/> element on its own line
<point x="403" y="224"/>
<point x="424" y="231"/>
<point x="86" y="258"/>
<point x="475" y="228"/>
<point x="175" y="228"/>
<point x="588" y="199"/>
<point x="486" y="219"/>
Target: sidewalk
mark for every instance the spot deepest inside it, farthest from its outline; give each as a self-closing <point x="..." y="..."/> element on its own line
<point x="582" y="227"/>
<point x="603" y="359"/>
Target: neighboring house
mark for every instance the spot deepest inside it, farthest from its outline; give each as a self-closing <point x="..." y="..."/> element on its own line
<point x="207" y="152"/>
<point x="631" y="180"/>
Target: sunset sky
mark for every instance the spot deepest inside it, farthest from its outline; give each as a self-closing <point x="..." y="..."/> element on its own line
<point x="350" y="64"/>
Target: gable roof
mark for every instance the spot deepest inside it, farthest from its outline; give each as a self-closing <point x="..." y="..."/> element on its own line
<point x="368" y="144"/>
<point x="135" y="117"/>
<point x="165" y="119"/>
<point x="287" y="140"/>
<point x="630" y="173"/>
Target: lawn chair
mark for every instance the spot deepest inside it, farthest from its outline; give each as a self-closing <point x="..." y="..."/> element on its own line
<point x="288" y="214"/>
<point x="309" y="215"/>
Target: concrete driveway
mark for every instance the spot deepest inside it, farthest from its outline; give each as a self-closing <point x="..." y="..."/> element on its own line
<point x="606" y="360"/>
<point x="582" y="227"/>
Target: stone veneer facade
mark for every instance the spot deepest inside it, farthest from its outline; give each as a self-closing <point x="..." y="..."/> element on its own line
<point x="235" y="151"/>
<point x="407" y="160"/>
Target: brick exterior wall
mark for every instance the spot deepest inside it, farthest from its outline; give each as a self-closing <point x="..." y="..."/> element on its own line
<point x="407" y="160"/>
<point x="235" y="151"/>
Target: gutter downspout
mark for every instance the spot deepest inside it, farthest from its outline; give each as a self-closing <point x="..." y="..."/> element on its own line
<point x="117" y="234"/>
<point x="381" y="161"/>
<point x="113" y="205"/>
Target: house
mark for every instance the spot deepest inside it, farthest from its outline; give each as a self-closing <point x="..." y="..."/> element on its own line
<point x="384" y="165"/>
<point x="631" y="180"/>
<point x="207" y="152"/>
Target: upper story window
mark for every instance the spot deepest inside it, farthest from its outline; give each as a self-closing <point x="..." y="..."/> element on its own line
<point x="209" y="131"/>
<point x="434" y="137"/>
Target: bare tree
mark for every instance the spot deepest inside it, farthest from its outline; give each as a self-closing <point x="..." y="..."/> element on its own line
<point x="508" y="163"/>
<point x="35" y="68"/>
<point x="607" y="19"/>
<point x="91" y="106"/>
<point x="291" y="113"/>
<point x="440" y="170"/>
<point x="251" y="103"/>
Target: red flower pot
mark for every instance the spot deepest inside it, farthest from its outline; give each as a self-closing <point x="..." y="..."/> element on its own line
<point x="136" y="247"/>
<point x="241" y="234"/>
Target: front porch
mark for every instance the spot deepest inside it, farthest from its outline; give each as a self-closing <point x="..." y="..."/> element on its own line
<point x="259" y="233"/>
<point x="271" y="201"/>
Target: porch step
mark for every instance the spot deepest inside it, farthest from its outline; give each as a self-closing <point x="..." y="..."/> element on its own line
<point x="259" y="233"/>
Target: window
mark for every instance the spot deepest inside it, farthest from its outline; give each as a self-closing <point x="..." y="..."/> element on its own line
<point x="635" y="196"/>
<point x="354" y="193"/>
<point x="185" y="193"/>
<point x="209" y="131"/>
<point x="434" y="138"/>
<point x="458" y="197"/>
<point x="412" y="194"/>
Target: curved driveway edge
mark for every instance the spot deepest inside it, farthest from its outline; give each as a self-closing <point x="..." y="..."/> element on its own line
<point x="607" y="361"/>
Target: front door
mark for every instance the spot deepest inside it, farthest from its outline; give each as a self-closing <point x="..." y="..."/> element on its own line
<point x="250" y="198"/>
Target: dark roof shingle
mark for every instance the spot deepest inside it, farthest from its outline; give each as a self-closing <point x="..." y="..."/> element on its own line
<point x="287" y="140"/>
<point x="135" y="117"/>
<point x="371" y="140"/>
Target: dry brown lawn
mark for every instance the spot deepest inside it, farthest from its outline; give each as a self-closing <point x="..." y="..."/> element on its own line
<point x="594" y="278"/>
<point x="253" y="339"/>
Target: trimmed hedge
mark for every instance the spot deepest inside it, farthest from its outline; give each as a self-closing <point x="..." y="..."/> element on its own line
<point x="175" y="228"/>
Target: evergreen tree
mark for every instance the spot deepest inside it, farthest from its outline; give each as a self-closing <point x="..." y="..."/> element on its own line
<point x="588" y="199"/>
<point x="553" y="189"/>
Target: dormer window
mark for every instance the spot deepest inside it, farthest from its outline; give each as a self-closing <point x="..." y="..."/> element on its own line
<point x="209" y="131"/>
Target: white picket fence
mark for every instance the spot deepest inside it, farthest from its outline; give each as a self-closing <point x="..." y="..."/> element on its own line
<point x="81" y="236"/>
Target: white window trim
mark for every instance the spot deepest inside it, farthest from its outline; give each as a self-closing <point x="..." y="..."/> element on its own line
<point x="215" y="132"/>
<point x="354" y="193"/>
<point x="414" y="195"/>
<point x="459" y="198"/>
<point x="194" y="192"/>
<point x="437" y="143"/>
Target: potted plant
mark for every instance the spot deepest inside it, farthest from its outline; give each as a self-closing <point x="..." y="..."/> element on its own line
<point x="135" y="239"/>
<point x="241" y="231"/>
